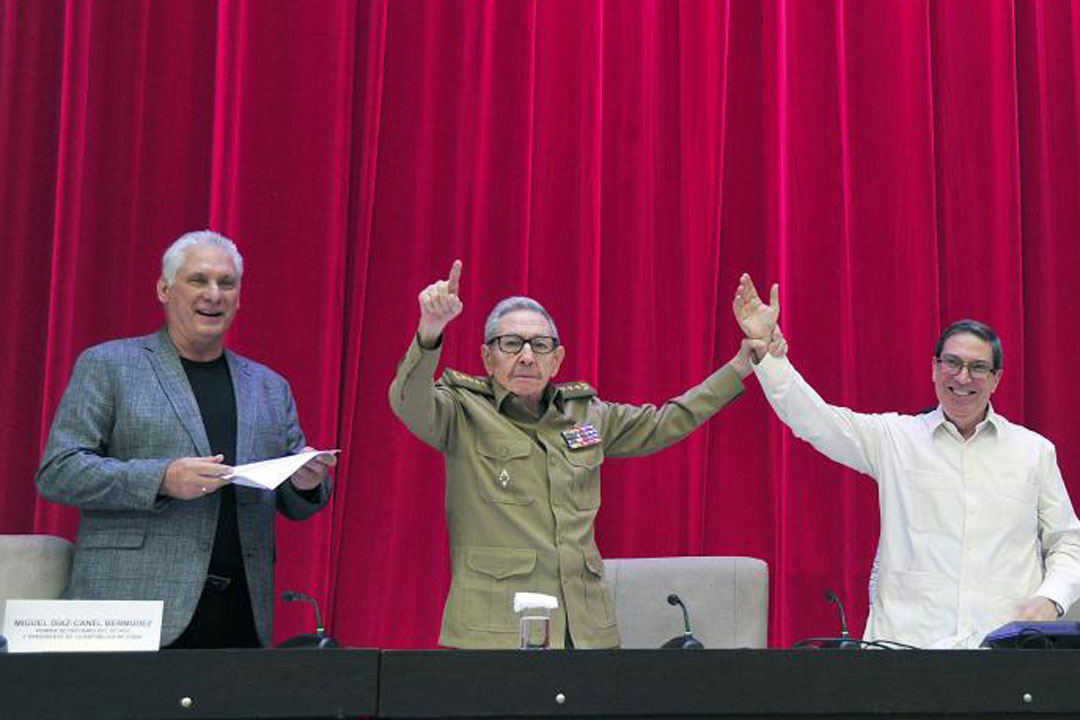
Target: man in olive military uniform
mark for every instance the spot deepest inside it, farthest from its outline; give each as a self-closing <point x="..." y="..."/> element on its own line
<point x="523" y="462"/>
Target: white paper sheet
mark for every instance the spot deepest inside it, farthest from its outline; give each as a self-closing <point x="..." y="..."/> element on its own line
<point x="268" y="474"/>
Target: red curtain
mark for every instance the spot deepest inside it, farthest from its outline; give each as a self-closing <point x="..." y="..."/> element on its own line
<point x="895" y="166"/>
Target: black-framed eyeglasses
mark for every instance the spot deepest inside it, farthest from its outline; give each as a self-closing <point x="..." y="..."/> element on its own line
<point x="513" y="344"/>
<point x="953" y="366"/>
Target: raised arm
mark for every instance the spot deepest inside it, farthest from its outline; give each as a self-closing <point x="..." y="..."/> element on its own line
<point x="426" y="411"/>
<point x="844" y="436"/>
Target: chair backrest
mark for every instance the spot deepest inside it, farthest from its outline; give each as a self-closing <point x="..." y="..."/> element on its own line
<point x="33" y="567"/>
<point x="727" y="598"/>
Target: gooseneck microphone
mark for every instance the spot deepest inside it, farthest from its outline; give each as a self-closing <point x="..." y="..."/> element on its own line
<point x="845" y="641"/>
<point x="674" y="599"/>
<point x="319" y="639"/>
<point x="293" y="596"/>
<point x="686" y="641"/>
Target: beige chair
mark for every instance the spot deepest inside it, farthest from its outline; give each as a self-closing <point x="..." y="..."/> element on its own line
<point x="727" y="597"/>
<point x="33" y="567"/>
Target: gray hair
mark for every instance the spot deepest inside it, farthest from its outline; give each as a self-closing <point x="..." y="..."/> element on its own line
<point x="509" y="305"/>
<point x="174" y="257"/>
<point x="980" y="330"/>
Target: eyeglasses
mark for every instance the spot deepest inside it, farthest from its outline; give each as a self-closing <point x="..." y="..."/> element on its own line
<point x="953" y="366"/>
<point x="513" y="344"/>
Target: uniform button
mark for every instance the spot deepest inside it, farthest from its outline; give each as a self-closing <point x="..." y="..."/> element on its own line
<point x="503" y="451"/>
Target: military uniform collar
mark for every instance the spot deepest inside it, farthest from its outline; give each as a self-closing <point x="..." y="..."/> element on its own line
<point x="501" y="395"/>
<point x="557" y="394"/>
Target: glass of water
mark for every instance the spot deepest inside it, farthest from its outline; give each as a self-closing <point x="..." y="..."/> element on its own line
<point x="534" y="614"/>
<point x="535" y="628"/>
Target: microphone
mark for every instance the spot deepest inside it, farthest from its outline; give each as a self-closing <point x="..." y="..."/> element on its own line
<point x="845" y="642"/>
<point x="686" y="641"/>
<point x="319" y="639"/>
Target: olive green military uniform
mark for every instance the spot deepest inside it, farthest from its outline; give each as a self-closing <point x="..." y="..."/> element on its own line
<point x="520" y="503"/>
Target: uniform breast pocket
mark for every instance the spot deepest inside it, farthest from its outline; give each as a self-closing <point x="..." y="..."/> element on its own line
<point x="585" y="476"/>
<point x="503" y="469"/>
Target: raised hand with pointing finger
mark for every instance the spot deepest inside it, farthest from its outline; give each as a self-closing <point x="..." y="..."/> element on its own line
<point x="439" y="304"/>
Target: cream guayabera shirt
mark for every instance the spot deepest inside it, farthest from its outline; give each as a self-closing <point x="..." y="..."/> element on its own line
<point x="969" y="529"/>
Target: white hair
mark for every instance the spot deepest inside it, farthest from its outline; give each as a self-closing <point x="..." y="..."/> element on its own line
<point x="174" y="257"/>
<point x="509" y="305"/>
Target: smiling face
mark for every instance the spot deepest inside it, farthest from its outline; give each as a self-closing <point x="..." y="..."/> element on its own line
<point x="202" y="302"/>
<point x="525" y="374"/>
<point x="964" y="399"/>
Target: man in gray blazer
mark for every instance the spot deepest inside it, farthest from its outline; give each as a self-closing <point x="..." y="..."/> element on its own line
<point x="145" y="433"/>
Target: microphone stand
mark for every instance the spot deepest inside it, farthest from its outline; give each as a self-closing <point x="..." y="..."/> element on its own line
<point x="686" y="641"/>
<point x="845" y="642"/>
<point x="318" y="640"/>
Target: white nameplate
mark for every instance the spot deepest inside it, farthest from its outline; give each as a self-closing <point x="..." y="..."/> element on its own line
<point x="82" y="625"/>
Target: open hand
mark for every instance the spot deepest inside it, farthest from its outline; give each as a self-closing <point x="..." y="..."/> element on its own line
<point x="756" y="319"/>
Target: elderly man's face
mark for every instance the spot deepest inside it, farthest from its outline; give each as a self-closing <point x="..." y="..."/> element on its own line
<point x="964" y="396"/>
<point x="526" y="373"/>
<point x="202" y="302"/>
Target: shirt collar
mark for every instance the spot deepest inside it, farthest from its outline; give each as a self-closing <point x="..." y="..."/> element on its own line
<point x="936" y="419"/>
<point x="501" y="395"/>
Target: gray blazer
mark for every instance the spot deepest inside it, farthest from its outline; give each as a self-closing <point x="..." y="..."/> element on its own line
<point x="126" y="414"/>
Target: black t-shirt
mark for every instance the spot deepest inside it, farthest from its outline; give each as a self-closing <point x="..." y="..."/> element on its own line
<point x="212" y="385"/>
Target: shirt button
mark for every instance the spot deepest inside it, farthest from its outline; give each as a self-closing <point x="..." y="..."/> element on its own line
<point x="503" y="452"/>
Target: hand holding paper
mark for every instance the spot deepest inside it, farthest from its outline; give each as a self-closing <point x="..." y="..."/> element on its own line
<point x="312" y="473"/>
<point x="308" y="469"/>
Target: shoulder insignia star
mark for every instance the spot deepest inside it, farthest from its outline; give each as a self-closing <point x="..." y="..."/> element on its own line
<point x="456" y="378"/>
<point x="572" y="390"/>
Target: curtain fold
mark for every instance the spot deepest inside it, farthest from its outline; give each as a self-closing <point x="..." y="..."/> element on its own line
<point x="895" y="166"/>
